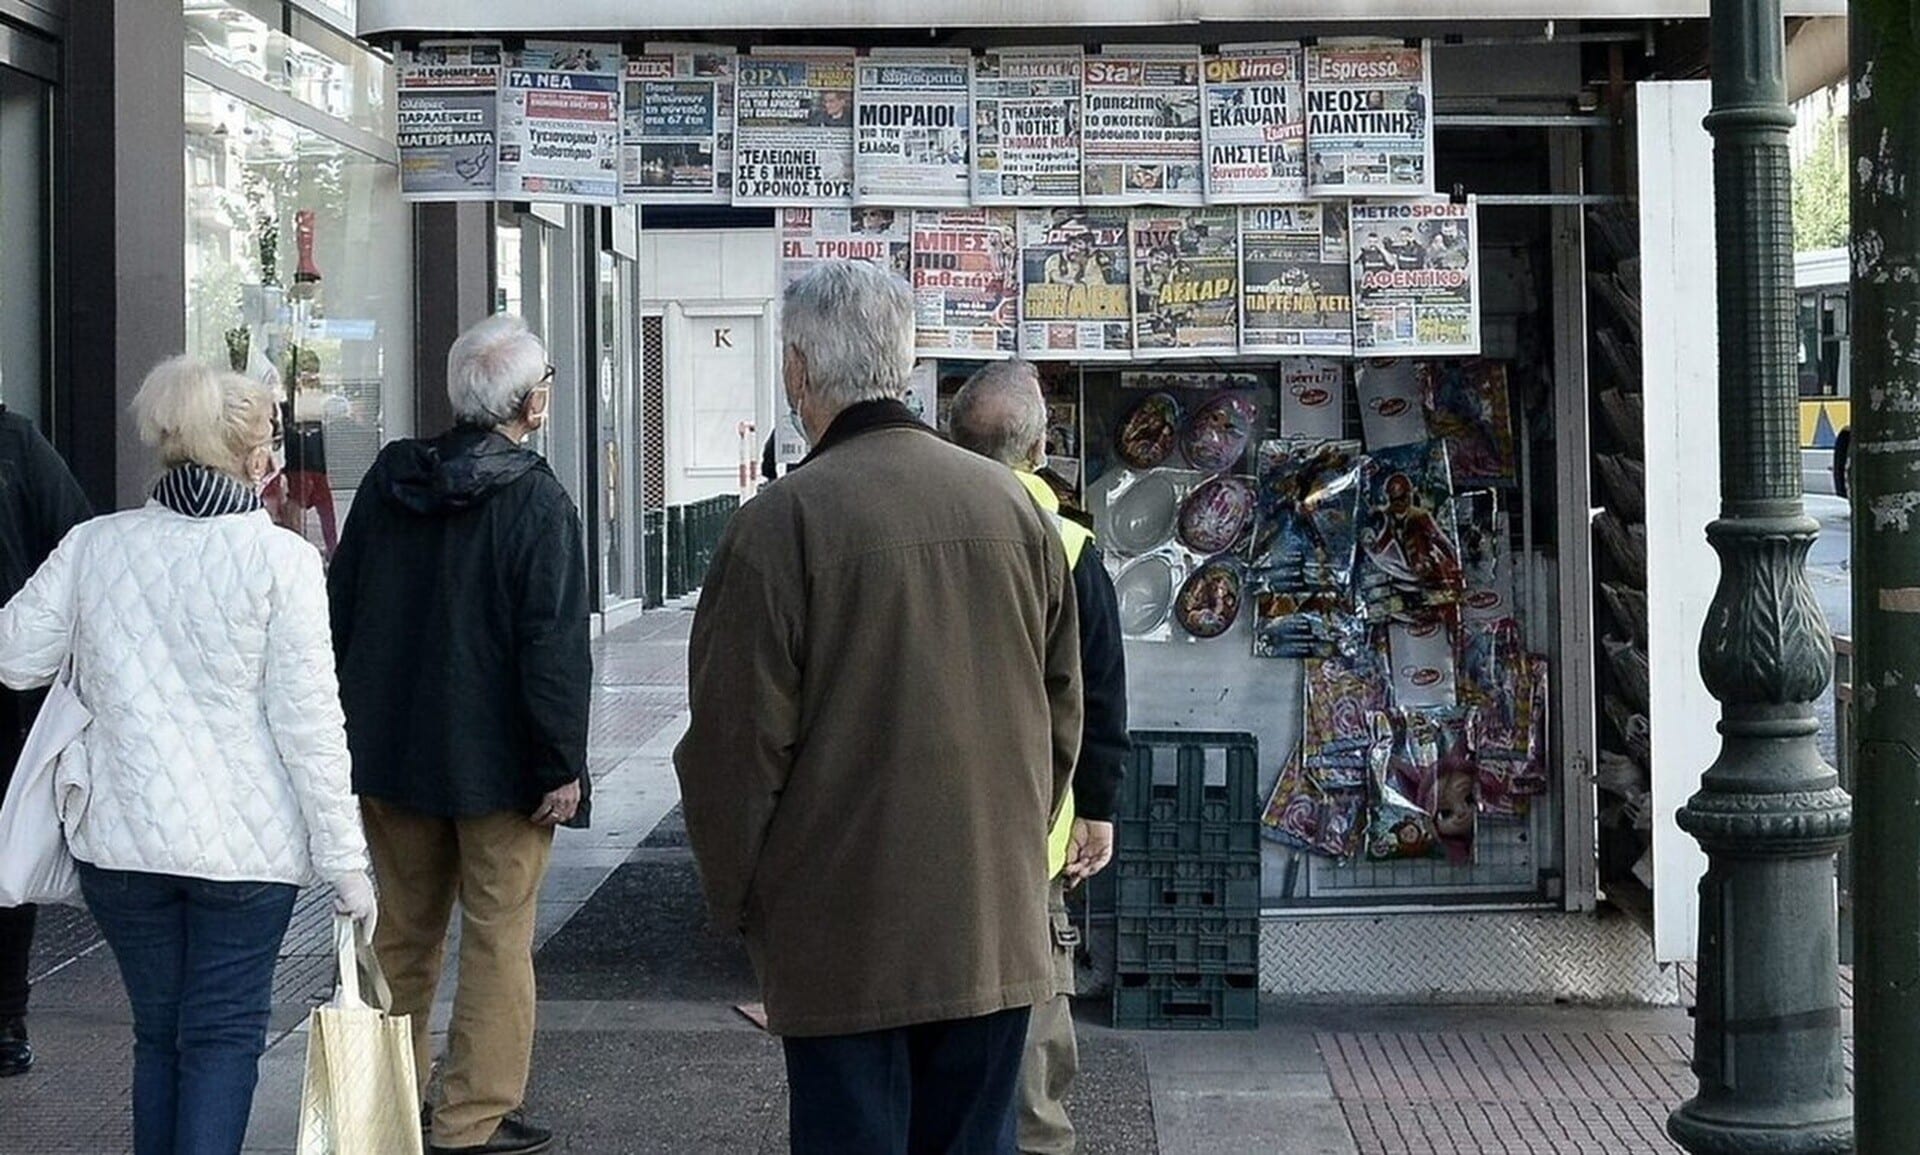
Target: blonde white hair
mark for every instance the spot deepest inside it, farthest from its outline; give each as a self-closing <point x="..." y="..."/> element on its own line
<point x="853" y="322"/>
<point x="491" y="369"/>
<point x="192" y="412"/>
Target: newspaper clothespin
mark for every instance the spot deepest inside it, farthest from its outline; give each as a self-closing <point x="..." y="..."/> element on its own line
<point x="1459" y="194"/>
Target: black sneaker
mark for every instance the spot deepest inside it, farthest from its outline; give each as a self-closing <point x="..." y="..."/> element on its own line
<point x="16" y="1054"/>
<point x="514" y="1136"/>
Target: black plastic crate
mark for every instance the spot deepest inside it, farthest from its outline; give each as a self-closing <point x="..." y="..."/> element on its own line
<point x="1186" y="1002"/>
<point x="1182" y="944"/>
<point x="1201" y="777"/>
<point x="1222" y="840"/>
<point x="1154" y="886"/>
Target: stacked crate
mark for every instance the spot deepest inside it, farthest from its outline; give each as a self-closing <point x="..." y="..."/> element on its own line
<point x="1186" y="883"/>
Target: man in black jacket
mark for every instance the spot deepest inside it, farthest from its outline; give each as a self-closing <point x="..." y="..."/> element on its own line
<point x="460" y="624"/>
<point x="1001" y="414"/>
<point x="39" y="502"/>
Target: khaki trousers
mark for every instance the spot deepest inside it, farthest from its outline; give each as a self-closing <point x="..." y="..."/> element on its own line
<point x="493" y="865"/>
<point x="1052" y="1056"/>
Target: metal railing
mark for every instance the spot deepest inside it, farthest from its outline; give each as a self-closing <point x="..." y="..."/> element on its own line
<point x="679" y="542"/>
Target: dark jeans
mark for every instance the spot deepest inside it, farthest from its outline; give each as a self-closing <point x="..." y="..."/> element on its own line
<point x="197" y="957"/>
<point x="16" y="952"/>
<point x="942" y="1088"/>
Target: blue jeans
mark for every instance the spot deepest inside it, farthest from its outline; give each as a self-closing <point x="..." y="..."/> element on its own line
<point x="197" y="958"/>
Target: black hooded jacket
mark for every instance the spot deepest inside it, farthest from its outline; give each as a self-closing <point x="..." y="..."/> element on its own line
<point x="39" y="502"/>
<point x="460" y="626"/>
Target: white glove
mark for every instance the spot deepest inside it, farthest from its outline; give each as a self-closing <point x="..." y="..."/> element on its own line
<point x="353" y="896"/>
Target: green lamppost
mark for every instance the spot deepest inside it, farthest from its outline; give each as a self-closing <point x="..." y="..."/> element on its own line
<point x="1770" y="812"/>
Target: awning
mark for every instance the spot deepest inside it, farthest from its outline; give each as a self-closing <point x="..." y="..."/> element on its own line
<point x="622" y="16"/>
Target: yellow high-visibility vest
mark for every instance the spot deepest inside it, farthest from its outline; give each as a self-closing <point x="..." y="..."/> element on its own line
<point x="1075" y="538"/>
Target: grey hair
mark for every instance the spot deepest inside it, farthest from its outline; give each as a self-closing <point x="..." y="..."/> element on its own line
<point x="194" y="412"/>
<point x="491" y="369"/>
<point x="999" y="413"/>
<point x="853" y="322"/>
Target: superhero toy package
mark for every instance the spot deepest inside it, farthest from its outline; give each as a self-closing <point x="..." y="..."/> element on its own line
<point x="1306" y="515"/>
<point x="1496" y="681"/>
<point x="1296" y="625"/>
<point x="1427" y="792"/>
<point x="1344" y="697"/>
<point x="1469" y="407"/>
<point x="1302" y="814"/>
<point x="1409" y="546"/>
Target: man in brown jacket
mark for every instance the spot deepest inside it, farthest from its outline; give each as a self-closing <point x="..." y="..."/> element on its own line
<point x="886" y="712"/>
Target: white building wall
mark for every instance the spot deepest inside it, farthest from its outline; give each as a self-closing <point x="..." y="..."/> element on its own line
<point x="717" y="292"/>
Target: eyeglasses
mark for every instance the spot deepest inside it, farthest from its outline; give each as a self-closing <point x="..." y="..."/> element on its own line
<point x="545" y="378"/>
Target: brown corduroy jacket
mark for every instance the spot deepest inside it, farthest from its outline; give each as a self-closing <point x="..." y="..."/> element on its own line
<point x="886" y="712"/>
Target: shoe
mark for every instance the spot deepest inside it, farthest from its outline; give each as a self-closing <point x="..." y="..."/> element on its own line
<point x="16" y="1054"/>
<point x="514" y="1136"/>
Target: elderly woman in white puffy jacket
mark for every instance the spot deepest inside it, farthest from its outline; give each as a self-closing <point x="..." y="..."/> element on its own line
<point x="215" y="771"/>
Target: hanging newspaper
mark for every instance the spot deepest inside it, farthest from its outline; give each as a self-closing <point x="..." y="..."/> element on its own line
<point x="966" y="287"/>
<point x="913" y="117"/>
<point x="1416" y="278"/>
<point x="663" y="156"/>
<point x="1074" y="302"/>
<point x="560" y="124"/>
<point x="1256" y="125"/>
<point x="1369" y="119"/>
<point x="1026" y="127"/>
<point x="1296" y="286"/>
<point x="669" y="134"/>
<point x="793" y="128"/>
<point x="1140" y="130"/>
<point x="1186" y="283"/>
<point x="448" y="107"/>
<point x="812" y="237"/>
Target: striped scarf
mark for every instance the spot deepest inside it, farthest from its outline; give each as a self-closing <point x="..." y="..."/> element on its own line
<point x="196" y="491"/>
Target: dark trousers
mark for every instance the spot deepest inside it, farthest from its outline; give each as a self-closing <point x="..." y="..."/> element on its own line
<point x="16" y="922"/>
<point x="197" y="957"/>
<point x="16" y="951"/>
<point x="943" y="1088"/>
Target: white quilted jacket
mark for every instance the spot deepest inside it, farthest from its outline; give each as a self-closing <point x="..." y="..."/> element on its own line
<point x="201" y="646"/>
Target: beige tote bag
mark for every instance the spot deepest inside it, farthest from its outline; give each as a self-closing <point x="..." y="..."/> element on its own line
<point x="359" y="1097"/>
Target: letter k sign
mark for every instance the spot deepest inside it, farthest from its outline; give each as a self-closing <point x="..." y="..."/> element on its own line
<point x="723" y="338"/>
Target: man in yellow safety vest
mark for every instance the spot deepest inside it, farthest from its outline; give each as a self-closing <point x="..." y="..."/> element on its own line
<point x="1001" y="414"/>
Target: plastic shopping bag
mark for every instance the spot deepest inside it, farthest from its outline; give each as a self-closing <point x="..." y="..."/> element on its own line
<point x="35" y="864"/>
<point x="359" y="1097"/>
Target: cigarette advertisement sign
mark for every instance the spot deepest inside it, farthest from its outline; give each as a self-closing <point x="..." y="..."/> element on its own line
<point x="1369" y="119"/>
<point x="912" y="125"/>
<point x="1186" y="283"/>
<point x="1297" y="295"/>
<point x="1026" y="127"/>
<point x="1256" y="127"/>
<point x="669" y="135"/>
<point x="560" y="124"/>
<point x="793" y="129"/>
<point x="1416" y="278"/>
<point x="448" y="106"/>
<point x="1140" y="136"/>
<point x="812" y="237"/>
<point x="966" y="284"/>
<point x="1074" y="295"/>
